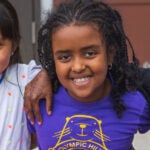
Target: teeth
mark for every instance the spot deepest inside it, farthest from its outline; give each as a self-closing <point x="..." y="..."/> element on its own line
<point x="81" y="80"/>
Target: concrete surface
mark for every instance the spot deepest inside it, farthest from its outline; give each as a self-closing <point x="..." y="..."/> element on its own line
<point x="142" y="141"/>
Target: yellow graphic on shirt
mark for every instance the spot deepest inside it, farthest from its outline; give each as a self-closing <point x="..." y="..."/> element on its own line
<point x="81" y="132"/>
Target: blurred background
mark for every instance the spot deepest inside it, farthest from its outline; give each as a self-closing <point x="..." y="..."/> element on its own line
<point x="135" y="14"/>
<point x="136" y="19"/>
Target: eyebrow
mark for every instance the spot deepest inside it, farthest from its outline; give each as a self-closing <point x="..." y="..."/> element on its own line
<point x="90" y="47"/>
<point x="62" y="51"/>
<point x="82" y="49"/>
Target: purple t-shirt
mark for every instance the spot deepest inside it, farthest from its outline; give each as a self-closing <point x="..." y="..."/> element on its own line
<point x="91" y="126"/>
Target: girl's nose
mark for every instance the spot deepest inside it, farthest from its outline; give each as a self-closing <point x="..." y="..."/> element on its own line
<point x="78" y="66"/>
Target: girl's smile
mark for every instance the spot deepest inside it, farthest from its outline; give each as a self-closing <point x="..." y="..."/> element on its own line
<point x="81" y="61"/>
<point x="81" y="81"/>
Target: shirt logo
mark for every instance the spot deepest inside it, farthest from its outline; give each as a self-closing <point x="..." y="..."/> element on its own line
<point x="81" y="132"/>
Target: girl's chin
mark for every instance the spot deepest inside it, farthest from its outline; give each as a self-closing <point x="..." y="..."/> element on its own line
<point x="82" y="98"/>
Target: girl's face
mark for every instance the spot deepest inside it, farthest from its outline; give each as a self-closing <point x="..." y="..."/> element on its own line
<point x="5" y="53"/>
<point x="81" y="62"/>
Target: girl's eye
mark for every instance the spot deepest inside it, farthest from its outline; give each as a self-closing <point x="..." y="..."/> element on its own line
<point x="64" y="58"/>
<point x="90" y="54"/>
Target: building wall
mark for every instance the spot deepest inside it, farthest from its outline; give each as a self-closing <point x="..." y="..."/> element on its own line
<point x="29" y="18"/>
<point x="135" y="14"/>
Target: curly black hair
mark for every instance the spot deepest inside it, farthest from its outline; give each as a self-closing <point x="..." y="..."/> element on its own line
<point x="125" y="74"/>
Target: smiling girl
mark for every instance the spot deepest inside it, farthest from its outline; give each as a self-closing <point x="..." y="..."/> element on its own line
<point x="14" y="76"/>
<point x="96" y="105"/>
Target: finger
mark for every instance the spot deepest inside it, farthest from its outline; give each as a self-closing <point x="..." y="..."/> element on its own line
<point x="37" y="113"/>
<point x="28" y="104"/>
<point x="49" y="104"/>
<point x="26" y="95"/>
<point x="30" y="114"/>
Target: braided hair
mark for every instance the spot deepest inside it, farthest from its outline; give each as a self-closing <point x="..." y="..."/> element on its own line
<point x="124" y="74"/>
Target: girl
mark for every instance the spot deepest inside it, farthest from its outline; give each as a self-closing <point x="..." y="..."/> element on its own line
<point x="14" y="134"/>
<point x="96" y="105"/>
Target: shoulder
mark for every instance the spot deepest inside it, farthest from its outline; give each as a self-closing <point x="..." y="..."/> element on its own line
<point x="135" y="96"/>
<point x="17" y="73"/>
<point x="22" y="73"/>
<point x="21" y="67"/>
<point x="137" y="106"/>
<point x="135" y="100"/>
<point x="16" y="68"/>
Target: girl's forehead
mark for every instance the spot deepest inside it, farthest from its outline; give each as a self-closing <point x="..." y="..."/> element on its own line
<point x="72" y="26"/>
<point x="72" y="30"/>
<point x="76" y="37"/>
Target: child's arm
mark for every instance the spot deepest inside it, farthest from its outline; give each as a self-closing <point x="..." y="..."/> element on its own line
<point x="38" y="86"/>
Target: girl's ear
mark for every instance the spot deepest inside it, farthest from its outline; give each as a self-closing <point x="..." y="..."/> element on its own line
<point x="111" y="55"/>
<point x="12" y="53"/>
<point x="14" y="48"/>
